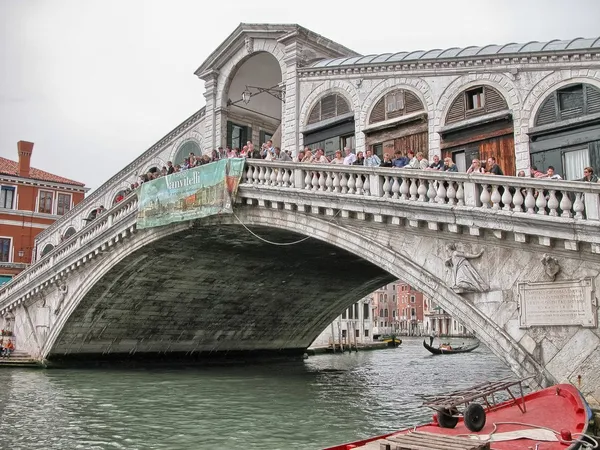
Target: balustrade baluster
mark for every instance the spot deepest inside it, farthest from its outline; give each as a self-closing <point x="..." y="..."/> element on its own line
<point x="315" y="181"/>
<point x="578" y="206"/>
<point x="329" y="182"/>
<point x="395" y="188"/>
<point x="344" y="184"/>
<point x="336" y="182"/>
<point x="540" y="202"/>
<point x="359" y="184"/>
<point x="286" y="178"/>
<point x="496" y="197"/>
<point x="485" y="196"/>
<point x="404" y="189"/>
<point x="460" y="194"/>
<point x="351" y="183"/>
<point x="553" y="203"/>
<point x="279" y="177"/>
<point x="507" y="198"/>
<point x="451" y="193"/>
<point x="386" y="187"/>
<point x="530" y="201"/>
<point x="518" y="200"/>
<point x="307" y="181"/>
<point x="441" y="193"/>
<point x="422" y="191"/>
<point x="367" y="185"/>
<point x="261" y="175"/>
<point x="414" y="189"/>
<point x="249" y="173"/>
<point x="322" y="181"/>
<point x="566" y="204"/>
<point x="255" y="175"/>
<point x="273" y="177"/>
<point x="432" y="191"/>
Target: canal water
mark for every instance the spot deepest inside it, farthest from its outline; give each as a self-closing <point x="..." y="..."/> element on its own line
<point x="324" y="400"/>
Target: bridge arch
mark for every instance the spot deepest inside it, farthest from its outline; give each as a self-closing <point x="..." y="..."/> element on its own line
<point x="379" y="258"/>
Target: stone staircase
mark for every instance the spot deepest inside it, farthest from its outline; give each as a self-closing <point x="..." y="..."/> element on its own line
<point x="19" y="359"/>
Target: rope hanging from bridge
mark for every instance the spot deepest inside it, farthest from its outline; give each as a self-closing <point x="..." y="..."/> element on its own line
<point x="266" y="240"/>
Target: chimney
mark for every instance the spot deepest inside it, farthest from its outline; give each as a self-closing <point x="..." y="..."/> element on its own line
<point x="24" y="150"/>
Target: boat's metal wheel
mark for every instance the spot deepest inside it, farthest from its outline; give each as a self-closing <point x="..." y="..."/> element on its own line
<point x="474" y="417"/>
<point x="447" y="418"/>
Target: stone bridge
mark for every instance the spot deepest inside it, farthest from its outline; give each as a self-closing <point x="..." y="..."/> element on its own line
<point x="514" y="259"/>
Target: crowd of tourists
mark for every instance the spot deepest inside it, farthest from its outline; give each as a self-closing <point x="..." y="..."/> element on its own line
<point x="6" y="349"/>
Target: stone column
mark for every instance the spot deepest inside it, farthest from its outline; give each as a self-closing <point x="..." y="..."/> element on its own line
<point x="210" y="94"/>
<point x="290" y="110"/>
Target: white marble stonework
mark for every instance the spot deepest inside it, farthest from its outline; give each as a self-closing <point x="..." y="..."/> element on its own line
<point x="467" y="241"/>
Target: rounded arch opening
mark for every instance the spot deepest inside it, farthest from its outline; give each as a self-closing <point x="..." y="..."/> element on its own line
<point x="473" y="102"/>
<point x="119" y="196"/>
<point x="185" y="150"/>
<point x="47" y="249"/>
<point x="70" y="232"/>
<point x="253" y="99"/>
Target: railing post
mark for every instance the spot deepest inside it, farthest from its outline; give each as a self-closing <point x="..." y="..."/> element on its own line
<point x="592" y="206"/>
<point x="471" y="194"/>
<point x="298" y="178"/>
<point x="376" y="185"/>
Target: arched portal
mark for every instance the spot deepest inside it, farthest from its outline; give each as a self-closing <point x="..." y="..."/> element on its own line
<point x="479" y="125"/>
<point x="397" y="122"/>
<point x="253" y="101"/>
<point x="566" y="134"/>
<point x="184" y="151"/>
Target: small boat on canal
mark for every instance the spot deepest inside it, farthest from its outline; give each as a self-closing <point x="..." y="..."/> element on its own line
<point x="554" y="418"/>
<point x="446" y="349"/>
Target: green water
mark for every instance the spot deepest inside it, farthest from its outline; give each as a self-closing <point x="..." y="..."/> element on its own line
<point x="308" y="404"/>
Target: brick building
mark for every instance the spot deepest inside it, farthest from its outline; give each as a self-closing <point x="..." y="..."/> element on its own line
<point x="30" y="201"/>
<point x="410" y="310"/>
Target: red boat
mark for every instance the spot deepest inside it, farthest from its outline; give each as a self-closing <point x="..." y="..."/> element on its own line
<point x="553" y="418"/>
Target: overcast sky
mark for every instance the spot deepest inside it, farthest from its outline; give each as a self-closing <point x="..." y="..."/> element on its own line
<point x="95" y="83"/>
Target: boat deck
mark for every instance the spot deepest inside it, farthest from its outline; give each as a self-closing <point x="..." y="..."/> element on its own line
<point x="557" y="408"/>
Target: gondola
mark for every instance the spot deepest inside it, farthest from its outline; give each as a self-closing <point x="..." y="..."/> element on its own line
<point x="444" y="351"/>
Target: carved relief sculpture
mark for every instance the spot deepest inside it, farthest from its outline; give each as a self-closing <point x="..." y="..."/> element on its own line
<point x="551" y="266"/>
<point x="63" y="289"/>
<point x="464" y="277"/>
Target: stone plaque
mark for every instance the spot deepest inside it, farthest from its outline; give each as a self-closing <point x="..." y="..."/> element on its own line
<point x="571" y="302"/>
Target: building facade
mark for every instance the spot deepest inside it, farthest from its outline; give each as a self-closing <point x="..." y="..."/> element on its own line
<point x="352" y="327"/>
<point x="31" y="200"/>
<point x="410" y="310"/>
<point x="385" y="310"/>
<point x="436" y="319"/>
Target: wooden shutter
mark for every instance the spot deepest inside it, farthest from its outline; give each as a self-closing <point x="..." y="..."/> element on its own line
<point x="412" y="103"/>
<point x="342" y="105"/>
<point x="378" y="113"/>
<point x="593" y="99"/>
<point x="315" y="114"/>
<point x="328" y="107"/>
<point x="547" y="112"/>
<point x="494" y="101"/>
<point x="394" y="104"/>
<point x="229" y="136"/>
<point x="570" y="102"/>
<point x="457" y="109"/>
<point x="594" y="148"/>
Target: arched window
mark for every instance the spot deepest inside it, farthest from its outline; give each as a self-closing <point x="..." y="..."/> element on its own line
<point x="569" y="102"/>
<point x="47" y="249"/>
<point x="474" y="102"/>
<point x="70" y="232"/>
<point x="328" y="107"/>
<point x="395" y="104"/>
<point x="184" y="151"/>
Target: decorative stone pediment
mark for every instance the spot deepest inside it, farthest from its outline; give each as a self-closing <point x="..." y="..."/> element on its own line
<point x="314" y="46"/>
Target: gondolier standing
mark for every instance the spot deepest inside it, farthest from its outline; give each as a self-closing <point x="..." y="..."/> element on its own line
<point x="431" y="337"/>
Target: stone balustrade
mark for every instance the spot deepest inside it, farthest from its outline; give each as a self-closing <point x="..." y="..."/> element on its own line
<point x="77" y="246"/>
<point x="548" y="203"/>
<point x="565" y="199"/>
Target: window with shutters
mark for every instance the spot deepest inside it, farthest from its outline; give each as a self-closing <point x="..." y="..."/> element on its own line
<point x="8" y="196"/>
<point x="328" y="107"/>
<point x="568" y="103"/>
<point x="395" y="104"/>
<point x="474" y="102"/>
<point x="63" y="204"/>
<point x="5" y="245"/>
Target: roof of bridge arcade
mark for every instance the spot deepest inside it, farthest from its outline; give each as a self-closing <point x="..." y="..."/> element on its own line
<point x="281" y="32"/>
<point x="10" y="167"/>
<point x="506" y="50"/>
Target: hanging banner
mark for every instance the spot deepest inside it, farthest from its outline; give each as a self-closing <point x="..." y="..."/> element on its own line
<point x="192" y="194"/>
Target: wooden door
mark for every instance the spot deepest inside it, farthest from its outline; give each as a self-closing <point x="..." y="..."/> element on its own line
<point x="503" y="149"/>
<point x="418" y="142"/>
